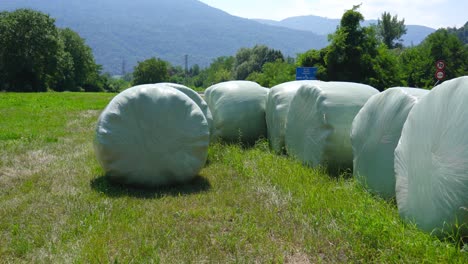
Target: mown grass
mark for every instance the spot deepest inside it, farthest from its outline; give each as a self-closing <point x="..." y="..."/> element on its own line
<point x="247" y="205"/>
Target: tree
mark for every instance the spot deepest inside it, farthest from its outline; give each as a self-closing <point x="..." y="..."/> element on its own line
<point x="314" y="58"/>
<point x="352" y="49"/>
<point x="462" y="33"/>
<point x="35" y="55"/>
<point x="418" y="63"/>
<point x="387" y="72"/>
<point x="445" y="46"/>
<point x="94" y="81"/>
<point x="151" y="71"/>
<point x="390" y="30"/>
<point x="29" y="49"/>
<point x="252" y="60"/>
<point x="114" y="84"/>
<point x="220" y="70"/>
<point x="416" y="70"/>
<point x="194" y="70"/>
<point x="177" y="74"/>
<point x="354" y="55"/>
<point x="274" y="73"/>
<point x="84" y="69"/>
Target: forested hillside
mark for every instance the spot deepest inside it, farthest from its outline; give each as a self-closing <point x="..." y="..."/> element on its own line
<point x="122" y="32"/>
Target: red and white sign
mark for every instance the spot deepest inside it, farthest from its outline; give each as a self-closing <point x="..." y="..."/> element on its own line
<point x="440" y="65"/>
<point x="440" y="75"/>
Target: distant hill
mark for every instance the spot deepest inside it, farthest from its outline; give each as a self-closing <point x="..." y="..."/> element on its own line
<point x="324" y="26"/>
<point x="129" y="31"/>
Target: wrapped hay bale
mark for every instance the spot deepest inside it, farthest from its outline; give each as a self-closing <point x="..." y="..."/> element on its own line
<point x="238" y="109"/>
<point x="195" y="97"/>
<point x="277" y="107"/>
<point x="431" y="160"/>
<point x="375" y="132"/>
<point x="150" y="136"/>
<point x="319" y="122"/>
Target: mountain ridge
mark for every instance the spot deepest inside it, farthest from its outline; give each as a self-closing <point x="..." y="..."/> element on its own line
<point x="324" y="26"/>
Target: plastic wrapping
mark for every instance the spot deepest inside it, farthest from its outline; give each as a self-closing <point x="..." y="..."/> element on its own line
<point x="238" y="109"/>
<point x="375" y="132"/>
<point x="277" y="107"/>
<point x="431" y="160"/>
<point x="319" y="122"/>
<point x="150" y="136"/>
<point x="195" y="97"/>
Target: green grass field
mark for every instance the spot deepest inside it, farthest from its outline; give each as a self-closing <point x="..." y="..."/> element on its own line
<point x="247" y="206"/>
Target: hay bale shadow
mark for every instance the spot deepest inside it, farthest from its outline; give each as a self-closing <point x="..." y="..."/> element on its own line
<point x="102" y="184"/>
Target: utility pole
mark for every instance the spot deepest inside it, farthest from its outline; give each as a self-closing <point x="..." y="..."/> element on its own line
<point x="123" y="67"/>
<point x="186" y="69"/>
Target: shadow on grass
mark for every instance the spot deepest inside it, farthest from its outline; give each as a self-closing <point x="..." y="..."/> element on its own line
<point x="102" y="184"/>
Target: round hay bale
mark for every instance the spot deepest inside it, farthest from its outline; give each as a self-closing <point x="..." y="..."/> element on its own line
<point x="431" y="161"/>
<point x="319" y="122"/>
<point x="238" y="109"/>
<point x="152" y="136"/>
<point x="277" y="107"/>
<point x="375" y="132"/>
<point x="192" y="95"/>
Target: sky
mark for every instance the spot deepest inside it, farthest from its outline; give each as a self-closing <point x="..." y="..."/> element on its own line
<point x="431" y="13"/>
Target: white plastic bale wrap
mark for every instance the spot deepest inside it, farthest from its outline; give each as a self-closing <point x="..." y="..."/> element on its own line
<point x="375" y="132"/>
<point x="431" y="160"/>
<point x="194" y="96"/>
<point x="152" y="136"/>
<point x="277" y="107"/>
<point x="238" y="109"/>
<point x="319" y="122"/>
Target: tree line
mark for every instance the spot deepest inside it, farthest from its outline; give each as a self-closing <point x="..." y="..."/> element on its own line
<point x="372" y="55"/>
<point x="37" y="56"/>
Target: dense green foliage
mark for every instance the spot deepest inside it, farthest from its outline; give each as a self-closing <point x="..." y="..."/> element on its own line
<point x="220" y="70"/>
<point x="80" y="70"/>
<point x="359" y="54"/>
<point x="252" y="60"/>
<point x="314" y="58"/>
<point x="260" y="64"/>
<point x="35" y="55"/>
<point x="354" y="55"/>
<point x="152" y="70"/>
<point x="418" y="63"/>
<point x="390" y="30"/>
<point x="462" y="33"/>
<point x="116" y="83"/>
<point x="30" y="48"/>
<point x="351" y="51"/>
<point x="274" y="73"/>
